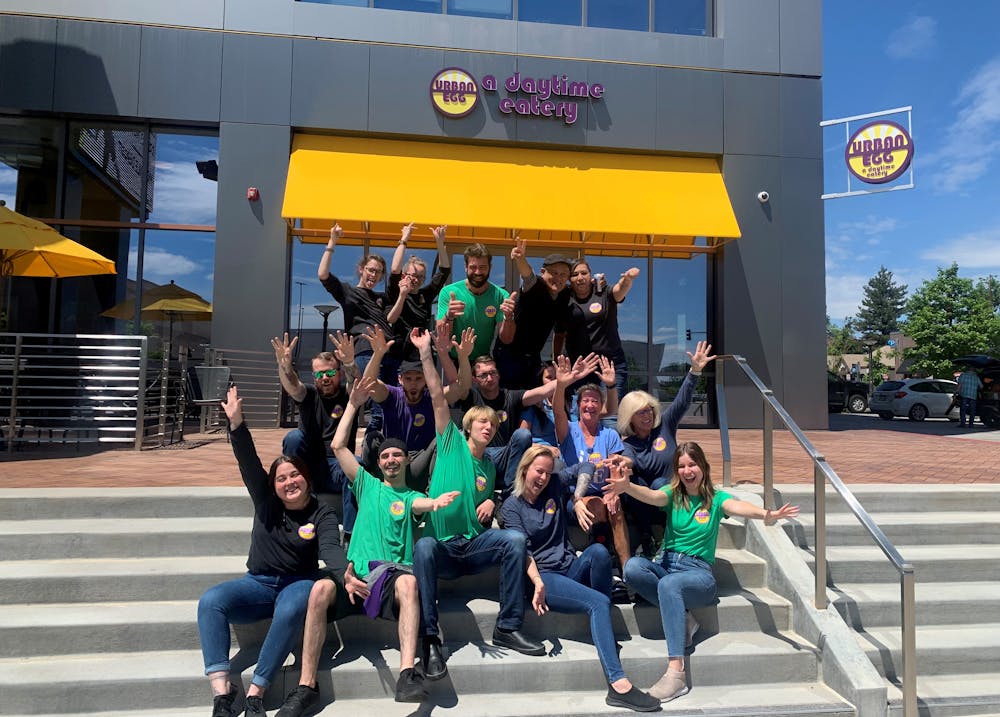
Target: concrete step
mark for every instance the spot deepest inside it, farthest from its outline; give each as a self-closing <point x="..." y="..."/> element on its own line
<point x="952" y="695"/>
<point x="902" y="529"/>
<point x="121" y="681"/>
<point x="932" y="563"/>
<point x="71" y="628"/>
<point x="138" y="538"/>
<point x="186" y="578"/>
<point x="941" y="649"/>
<point x="756" y="700"/>
<point x="875" y="498"/>
<point x="876" y="604"/>
<point x="124" y="503"/>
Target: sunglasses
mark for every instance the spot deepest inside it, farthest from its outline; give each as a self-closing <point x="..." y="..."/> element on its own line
<point x="329" y="373"/>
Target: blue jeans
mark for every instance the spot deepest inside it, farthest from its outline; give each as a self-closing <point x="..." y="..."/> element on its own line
<point x="281" y="598"/>
<point x="324" y="471"/>
<point x="677" y="583"/>
<point x="966" y="407"/>
<point x="506" y="458"/>
<point x="449" y="559"/>
<point x="586" y="588"/>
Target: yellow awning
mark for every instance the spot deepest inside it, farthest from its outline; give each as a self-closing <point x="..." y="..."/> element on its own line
<point x="613" y="204"/>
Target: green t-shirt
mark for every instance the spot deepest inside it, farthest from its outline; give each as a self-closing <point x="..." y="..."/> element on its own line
<point x="693" y="531"/>
<point x="482" y="313"/>
<point x="457" y="469"/>
<point x="385" y="525"/>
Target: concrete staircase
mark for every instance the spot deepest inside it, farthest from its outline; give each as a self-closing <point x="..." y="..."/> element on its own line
<point x="951" y="534"/>
<point x="98" y="594"/>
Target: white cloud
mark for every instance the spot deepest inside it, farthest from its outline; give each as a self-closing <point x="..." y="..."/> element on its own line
<point x="976" y="250"/>
<point x="869" y="226"/>
<point x="8" y="185"/>
<point x="158" y="264"/>
<point x="972" y="141"/>
<point x="181" y="195"/>
<point x="843" y="294"/>
<point x="912" y="39"/>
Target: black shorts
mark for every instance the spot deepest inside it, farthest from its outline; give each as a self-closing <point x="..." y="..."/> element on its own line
<point x="342" y="606"/>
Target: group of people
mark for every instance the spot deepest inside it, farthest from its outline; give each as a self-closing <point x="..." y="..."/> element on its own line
<point x="536" y="448"/>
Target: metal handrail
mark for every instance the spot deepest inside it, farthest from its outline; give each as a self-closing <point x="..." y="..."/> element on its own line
<point x="822" y="473"/>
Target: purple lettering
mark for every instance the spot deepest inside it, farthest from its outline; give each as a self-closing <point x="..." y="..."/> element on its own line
<point x="597" y="90"/>
<point x="529" y="86"/>
<point x="513" y="82"/>
<point x="546" y="107"/>
<point x="506" y="105"/>
<point x="578" y="89"/>
<point x="544" y="88"/>
<point x="490" y="83"/>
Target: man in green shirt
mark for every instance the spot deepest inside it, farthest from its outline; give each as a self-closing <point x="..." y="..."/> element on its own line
<point x="478" y="303"/>
<point x="378" y="580"/>
<point x="458" y="538"/>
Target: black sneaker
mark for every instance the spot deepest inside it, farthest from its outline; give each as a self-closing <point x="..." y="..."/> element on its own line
<point x="634" y="699"/>
<point x="222" y="705"/>
<point x="299" y="702"/>
<point x="410" y="686"/>
<point x="255" y="707"/>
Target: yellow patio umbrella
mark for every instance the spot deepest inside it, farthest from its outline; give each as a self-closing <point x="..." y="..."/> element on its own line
<point x="169" y="302"/>
<point x="30" y="248"/>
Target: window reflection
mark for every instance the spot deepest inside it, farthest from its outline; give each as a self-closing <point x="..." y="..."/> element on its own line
<point x="411" y="5"/>
<point x="558" y="12"/>
<point x="500" y="9"/>
<point x="618" y="14"/>
<point x="683" y="17"/>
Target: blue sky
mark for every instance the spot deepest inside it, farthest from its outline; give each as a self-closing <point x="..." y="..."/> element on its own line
<point x="944" y="60"/>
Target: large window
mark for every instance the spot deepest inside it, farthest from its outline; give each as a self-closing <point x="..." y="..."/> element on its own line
<point x="114" y="187"/>
<point x="684" y="17"/>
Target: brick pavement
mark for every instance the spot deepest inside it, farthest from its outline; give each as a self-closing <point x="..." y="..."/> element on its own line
<point x="862" y="449"/>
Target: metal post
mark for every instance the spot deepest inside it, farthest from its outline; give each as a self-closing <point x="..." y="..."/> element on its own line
<point x="140" y="394"/>
<point x="819" y="538"/>
<point x="768" y="430"/>
<point x="164" y="388"/>
<point x="720" y="400"/>
<point x="182" y="396"/>
<point x="12" y="426"/>
<point x="907" y="583"/>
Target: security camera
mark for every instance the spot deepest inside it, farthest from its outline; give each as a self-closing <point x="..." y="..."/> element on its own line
<point x="762" y="197"/>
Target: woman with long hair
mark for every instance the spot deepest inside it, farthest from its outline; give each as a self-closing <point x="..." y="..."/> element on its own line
<point x="682" y="578"/>
<point x="563" y="581"/>
<point x="291" y="531"/>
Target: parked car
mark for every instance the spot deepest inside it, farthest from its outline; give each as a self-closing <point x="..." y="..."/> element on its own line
<point x="916" y="398"/>
<point x="988" y="401"/>
<point x="841" y="394"/>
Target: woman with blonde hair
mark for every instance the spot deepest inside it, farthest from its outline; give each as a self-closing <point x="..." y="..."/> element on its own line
<point x="682" y="577"/>
<point x="562" y="580"/>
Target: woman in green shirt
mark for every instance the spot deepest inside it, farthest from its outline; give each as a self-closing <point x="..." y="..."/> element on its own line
<point x="682" y="578"/>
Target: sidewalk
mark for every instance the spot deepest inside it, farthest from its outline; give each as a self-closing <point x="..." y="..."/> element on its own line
<point x="860" y="448"/>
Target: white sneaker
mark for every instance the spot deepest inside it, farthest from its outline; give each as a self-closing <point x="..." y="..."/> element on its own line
<point x="692" y="627"/>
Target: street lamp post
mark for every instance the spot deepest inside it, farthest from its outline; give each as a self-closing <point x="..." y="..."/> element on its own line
<point x="325" y="310"/>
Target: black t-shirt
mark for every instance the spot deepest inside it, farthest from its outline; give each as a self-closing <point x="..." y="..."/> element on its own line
<point x="535" y="313"/>
<point x="416" y="312"/>
<point x="508" y="404"/>
<point x="363" y="308"/>
<point x="283" y="541"/>
<point x="591" y="324"/>
<point x="319" y="417"/>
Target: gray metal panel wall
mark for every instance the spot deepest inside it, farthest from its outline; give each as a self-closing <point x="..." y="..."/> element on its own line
<point x="180" y="74"/>
<point x="689" y="111"/>
<point x="97" y="68"/>
<point x="751" y="114"/>
<point x="399" y="83"/>
<point x="801" y="37"/>
<point x="27" y="62"/>
<point x="255" y="79"/>
<point x="330" y="85"/>
<point x="750" y="31"/>
<point x="251" y="244"/>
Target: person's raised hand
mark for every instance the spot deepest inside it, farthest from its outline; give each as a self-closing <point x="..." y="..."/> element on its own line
<point x="343" y="347"/>
<point x="455" y="307"/>
<point x="442" y="336"/>
<point x="233" y="406"/>
<point x="362" y="391"/>
<point x="520" y="247"/>
<point x="606" y="368"/>
<point x="701" y="355"/>
<point x="465" y="346"/>
<point x="283" y="350"/>
<point x="336" y="232"/>
<point x="564" y="372"/>
<point x="507" y="307"/>
<point x="630" y="274"/>
<point x="376" y="337"/>
<point x="421" y="339"/>
<point x="407" y="230"/>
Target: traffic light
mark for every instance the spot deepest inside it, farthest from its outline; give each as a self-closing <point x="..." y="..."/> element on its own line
<point x="687" y="334"/>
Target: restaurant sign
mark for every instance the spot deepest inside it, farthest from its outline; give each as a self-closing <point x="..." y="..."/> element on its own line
<point x="454" y="93"/>
<point x="879" y="152"/>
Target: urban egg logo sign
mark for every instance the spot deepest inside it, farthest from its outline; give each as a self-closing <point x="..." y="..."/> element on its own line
<point x="454" y="92"/>
<point x="879" y="152"/>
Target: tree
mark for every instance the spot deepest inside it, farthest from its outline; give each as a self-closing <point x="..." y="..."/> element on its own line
<point x="948" y="317"/>
<point x="841" y="339"/>
<point x="881" y="306"/>
<point x="990" y="286"/>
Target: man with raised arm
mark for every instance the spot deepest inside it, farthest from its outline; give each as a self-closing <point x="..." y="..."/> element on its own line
<point x="379" y="579"/>
<point x="542" y="298"/>
<point x="407" y="410"/>
<point x="458" y="540"/>
<point x="321" y="408"/>
<point x="409" y="299"/>
<point x="479" y="303"/>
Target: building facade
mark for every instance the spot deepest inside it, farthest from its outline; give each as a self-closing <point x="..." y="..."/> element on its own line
<point x="683" y="114"/>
